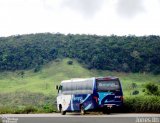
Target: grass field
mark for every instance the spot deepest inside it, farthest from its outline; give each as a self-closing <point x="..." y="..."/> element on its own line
<point x="51" y="74"/>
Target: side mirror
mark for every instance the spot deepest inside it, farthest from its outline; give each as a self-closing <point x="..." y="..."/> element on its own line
<point x="57" y="87"/>
<point x="60" y="87"/>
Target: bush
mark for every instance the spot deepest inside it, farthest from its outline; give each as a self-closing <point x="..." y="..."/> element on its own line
<point x="48" y="108"/>
<point x="133" y="85"/>
<point x="29" y="109"/>
<point x="37" y="68"/>
<point x="17" y="110"/>
<point x="6" y="110"/>
<point x="143" y="90"/>
<point x="135" y="92"/>
<point x="70" y="62"/>
<point x="152" y="89"/>
<point x="142" y="104"/>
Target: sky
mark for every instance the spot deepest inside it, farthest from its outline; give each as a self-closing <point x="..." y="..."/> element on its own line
<point x="100" y="17"/>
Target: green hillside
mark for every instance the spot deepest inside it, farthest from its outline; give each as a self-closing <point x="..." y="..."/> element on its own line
<point x="51" y="74"/>
<point x="118" y="53"/>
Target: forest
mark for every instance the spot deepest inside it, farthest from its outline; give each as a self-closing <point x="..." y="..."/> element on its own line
<point x="115" y="53"/>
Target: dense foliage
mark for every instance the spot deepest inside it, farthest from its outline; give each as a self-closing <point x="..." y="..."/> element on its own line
<point x="142" y="104"/>
<point x="152" y="89"/>
<point x="120" y="53"/>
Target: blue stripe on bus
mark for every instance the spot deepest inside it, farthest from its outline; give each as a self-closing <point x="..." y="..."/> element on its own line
<point x="88" y="95"/>
<point x="72" y="109"/>
<point x="102" y="95"/>
<point x="88" y="107"/>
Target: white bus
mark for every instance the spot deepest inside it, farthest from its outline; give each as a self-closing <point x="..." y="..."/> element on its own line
<point x="86" y="94"/>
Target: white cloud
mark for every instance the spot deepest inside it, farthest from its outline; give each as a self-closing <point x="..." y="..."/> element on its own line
<point x="90" y="17"/>
<point x="87" y="8"/>
<point x="130" y="8"/>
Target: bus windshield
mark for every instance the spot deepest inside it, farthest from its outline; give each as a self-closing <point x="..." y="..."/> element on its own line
<point x="108" y="85"/>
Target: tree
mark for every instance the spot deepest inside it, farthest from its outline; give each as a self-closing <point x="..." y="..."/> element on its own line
<point x="119" y="53"/>
<point x="152" y="89"/>
<point x="69" y="62"/>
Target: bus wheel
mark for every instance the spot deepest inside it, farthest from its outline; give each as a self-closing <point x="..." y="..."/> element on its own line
<point x="106" y="111"/>
<point x="82" y="110"/>
<point x="63" y="112"/>
<point x="60" y="108"/>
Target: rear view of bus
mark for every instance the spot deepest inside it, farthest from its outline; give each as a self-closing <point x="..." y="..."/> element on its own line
<point x="110" y="93"/>
<point x="84" y="94"/>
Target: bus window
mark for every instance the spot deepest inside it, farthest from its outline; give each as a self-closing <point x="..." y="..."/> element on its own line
<point x="82" y="87"/>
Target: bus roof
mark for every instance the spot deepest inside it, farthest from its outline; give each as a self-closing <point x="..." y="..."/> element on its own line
<point x="84" y="79"/>
<point x="106" y="78"/>
<point x="76" y="80"/>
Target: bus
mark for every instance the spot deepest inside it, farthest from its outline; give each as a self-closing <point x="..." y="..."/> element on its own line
<point x="85" y="94"/>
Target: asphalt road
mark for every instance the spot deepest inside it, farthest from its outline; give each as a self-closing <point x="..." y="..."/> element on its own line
<point x="77" y="118"/>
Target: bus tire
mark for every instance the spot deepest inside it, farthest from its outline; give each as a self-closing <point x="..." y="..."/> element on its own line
<point x="63" y="112"/>
<point x="82" y="110"/>
<point x="106" y="111"/>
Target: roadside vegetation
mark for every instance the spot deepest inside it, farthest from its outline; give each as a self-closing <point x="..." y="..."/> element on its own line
<point x="142" y="104"/>
<point x="27" y="102"/>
